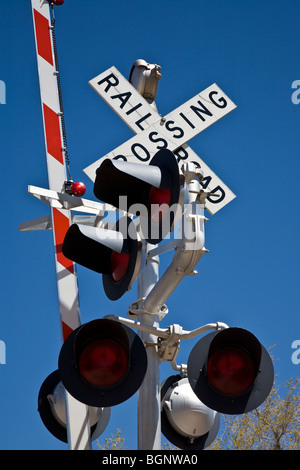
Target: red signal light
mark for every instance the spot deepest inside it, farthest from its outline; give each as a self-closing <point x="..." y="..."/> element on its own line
<point x="158" y="185"/>
<point x="103" y="362"/>
<point x="230" y="370"/>
<point x="58" y="2"/>
<point x="78" y="188"/>
<point x="119" y="263"/>
<point x="159" y="197"/>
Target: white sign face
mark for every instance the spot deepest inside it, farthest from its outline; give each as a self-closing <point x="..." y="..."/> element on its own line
<point x="172" y="131"/>
<point x="125" y="100"/>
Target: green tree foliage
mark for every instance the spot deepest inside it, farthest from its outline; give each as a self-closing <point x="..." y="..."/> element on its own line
<point x="275" y="425"/>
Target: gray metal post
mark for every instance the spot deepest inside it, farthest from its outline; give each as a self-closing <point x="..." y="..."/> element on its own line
<point x="149" y="425"/>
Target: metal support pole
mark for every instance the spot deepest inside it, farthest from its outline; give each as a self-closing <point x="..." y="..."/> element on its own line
<point x="149" y="425"/>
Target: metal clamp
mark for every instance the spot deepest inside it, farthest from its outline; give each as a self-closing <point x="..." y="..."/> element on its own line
<point x="137" y="308"/>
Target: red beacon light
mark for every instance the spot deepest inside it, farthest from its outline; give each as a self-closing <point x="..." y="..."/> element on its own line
<point x="58" y="2"/>
<point x="74" y="188"/>
<point x="78" y="188"/>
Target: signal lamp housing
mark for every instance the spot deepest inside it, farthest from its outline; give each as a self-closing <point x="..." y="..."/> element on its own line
<point x="102" y="363"/>
<point x="114" y="253"/>
<point x="230" y="371"/>
<point x="52" y="410"/>
<point x="150" y="191"/>
<point x="185" y="420"/>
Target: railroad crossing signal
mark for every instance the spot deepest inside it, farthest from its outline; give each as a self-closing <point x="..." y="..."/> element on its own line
<point x="238" y="373"/>
<point x="102" y="363"/>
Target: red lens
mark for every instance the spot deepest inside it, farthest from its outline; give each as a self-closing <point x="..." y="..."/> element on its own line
<point x="230" y="370"/>
<point x="103" y="362"/>
<point x="119" y="264"/>
<point x="157" y="198"/>
<point x="78" y="188"/>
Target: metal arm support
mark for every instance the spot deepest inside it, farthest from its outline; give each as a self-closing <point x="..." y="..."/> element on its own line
<point x="164" y="333"/>
<point x="169" y="338"/>
<point x="188" y="250"/>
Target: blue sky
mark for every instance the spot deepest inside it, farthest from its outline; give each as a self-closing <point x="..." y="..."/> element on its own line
<point x="250" y="277"/>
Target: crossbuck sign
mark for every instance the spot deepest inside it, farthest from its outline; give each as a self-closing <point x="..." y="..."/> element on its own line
<point x="172" y="131"/>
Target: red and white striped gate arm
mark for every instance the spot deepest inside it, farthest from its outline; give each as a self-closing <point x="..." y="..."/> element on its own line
<point x="77" y="413"/>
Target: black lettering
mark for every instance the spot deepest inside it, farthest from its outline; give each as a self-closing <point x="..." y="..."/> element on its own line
<point x="137" y="106"/>
<point x="220" y="100"/>
<point x="123" y="97"/>
<point x="169" y="128"/>
<point x="205" y="181"/>
<point x="109" y="83"/>
<point x="120" y="157"/>
<point x="201" y="110"/>
<point x="184" y="155"/>
<point x="133" y="149"/>
<point x="141" y="120"/>
<point x="187" y="120"/>
<point x="215" y="200"/>
<point x="160" y="139"/>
